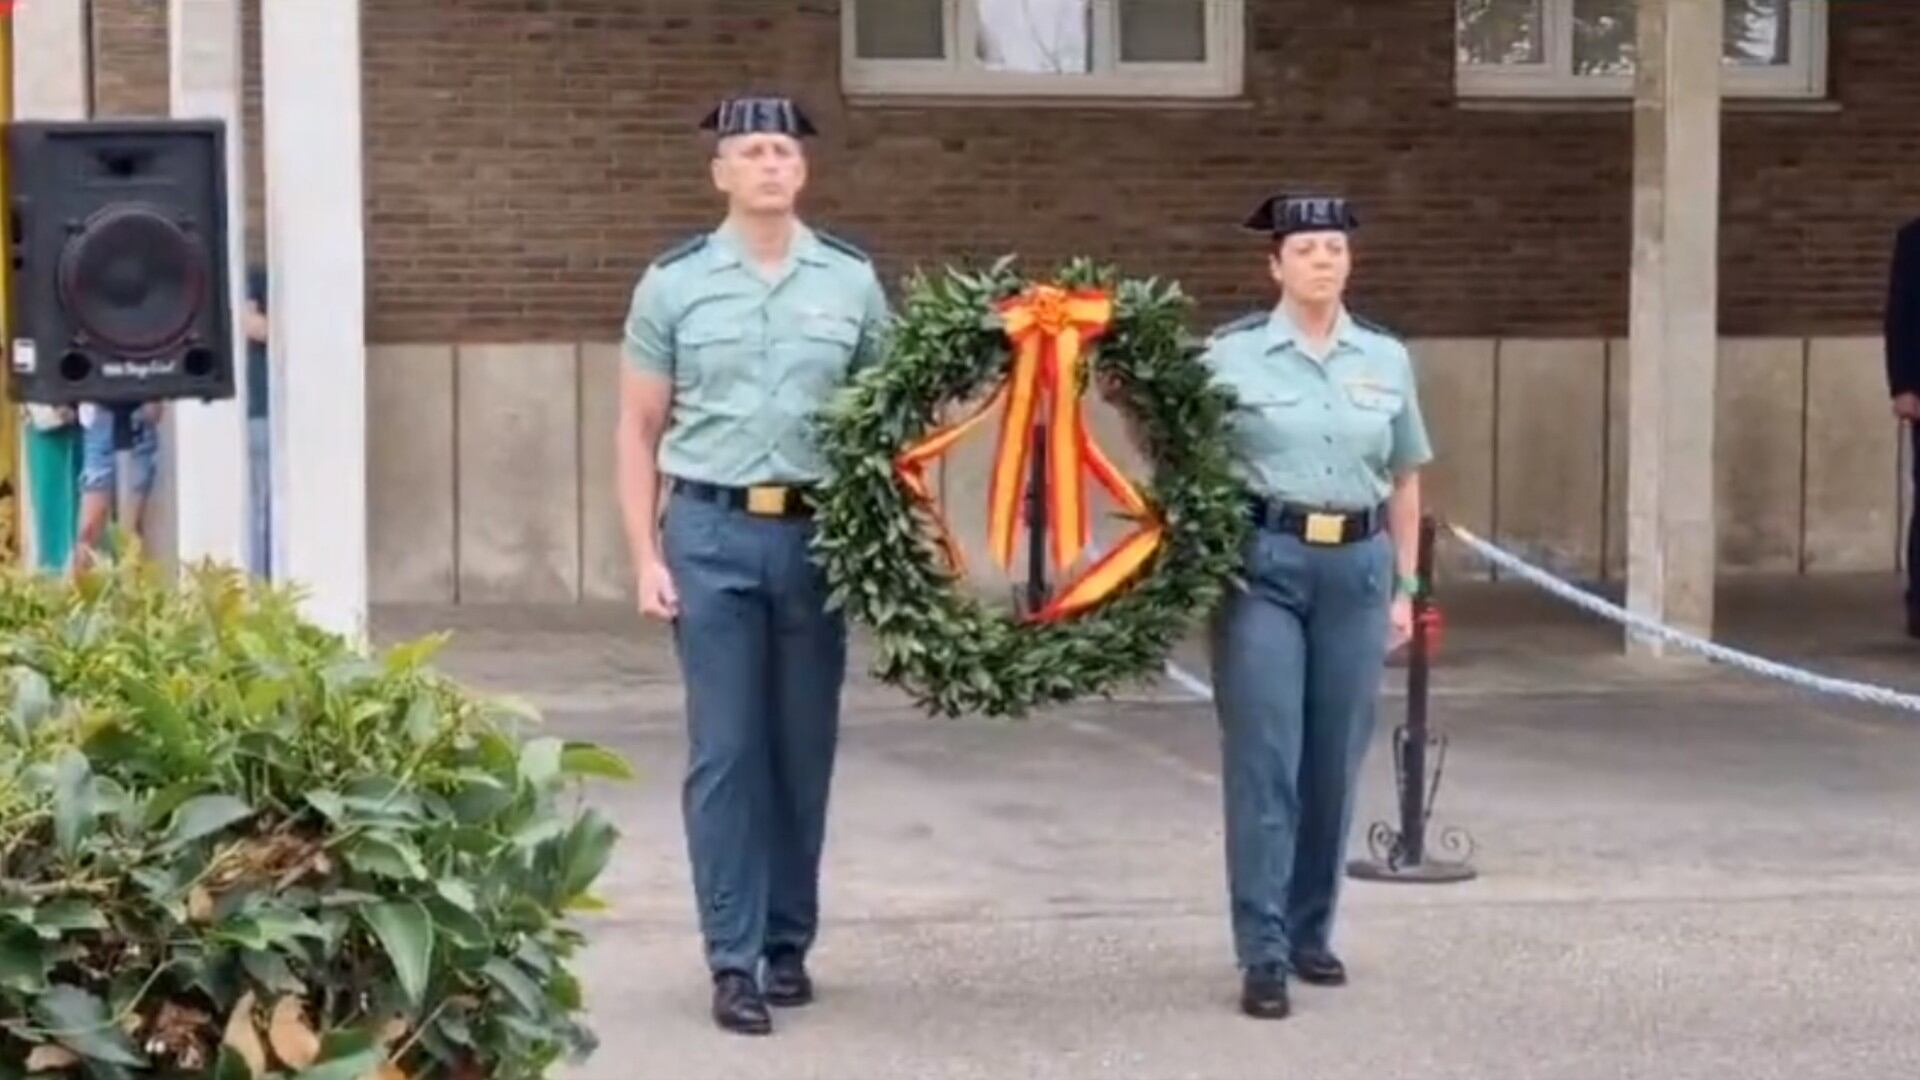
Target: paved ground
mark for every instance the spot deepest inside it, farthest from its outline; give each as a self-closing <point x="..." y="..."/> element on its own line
<point x="1682" y="874"/>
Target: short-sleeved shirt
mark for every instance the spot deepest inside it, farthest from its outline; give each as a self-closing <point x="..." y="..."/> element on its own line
<point x="1329" y="433"/>
<point x="753" y="358"/>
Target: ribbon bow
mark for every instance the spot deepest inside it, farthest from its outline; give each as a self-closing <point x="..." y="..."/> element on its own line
<point x="1050" y="329"/>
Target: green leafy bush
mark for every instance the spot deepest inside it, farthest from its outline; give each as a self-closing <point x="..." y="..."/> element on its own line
<point x="234" y="846"/>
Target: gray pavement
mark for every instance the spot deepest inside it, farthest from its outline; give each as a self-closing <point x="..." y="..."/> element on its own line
<point x="1682" y="873"/>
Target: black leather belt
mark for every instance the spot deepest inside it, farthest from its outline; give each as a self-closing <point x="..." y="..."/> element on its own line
<point x="1319" y="527"/>
<point x="760" y="500"/>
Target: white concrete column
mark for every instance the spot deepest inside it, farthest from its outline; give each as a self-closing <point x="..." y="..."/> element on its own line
<point x="209" y="439"/>
<point x="52" y="61"/>
<point x="310" y="60"/>
<point x="52" y="80"/>
<point x="1671" y="546"/>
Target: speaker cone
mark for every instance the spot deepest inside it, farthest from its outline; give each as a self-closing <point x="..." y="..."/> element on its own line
<point x="133" y="281"/>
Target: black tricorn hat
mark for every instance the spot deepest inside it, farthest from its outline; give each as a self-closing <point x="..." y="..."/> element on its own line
<point x="758" y="116"/>
<point x="1283" y="215"/>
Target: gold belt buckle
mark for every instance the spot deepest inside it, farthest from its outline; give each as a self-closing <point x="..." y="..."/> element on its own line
<point x="767" y="501"/>
<point x="1326" y="528"/>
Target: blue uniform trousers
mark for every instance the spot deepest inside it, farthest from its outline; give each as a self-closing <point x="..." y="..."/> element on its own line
<point x="763" y="663"/>
<point x="1298" y="650"/>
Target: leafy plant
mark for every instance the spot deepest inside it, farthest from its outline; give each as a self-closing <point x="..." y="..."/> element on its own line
<point x="234" y="846"/>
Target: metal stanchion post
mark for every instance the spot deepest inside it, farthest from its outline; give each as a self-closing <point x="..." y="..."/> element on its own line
<point x="1401" y="854"/>
<point x="1035" y="596"/>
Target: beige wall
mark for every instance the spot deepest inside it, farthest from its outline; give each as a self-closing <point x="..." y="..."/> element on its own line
<point x="491" y="472"/>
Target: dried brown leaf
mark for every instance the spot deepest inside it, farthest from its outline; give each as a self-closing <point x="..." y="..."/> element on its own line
<point x="200" y="905"/>
<point x="181" y="1032"/>
<point x="395" y="1030"/>
<point x="242" y="1037"/>
<point x="387" y="1071"/>
<point x="294" y="1043"/>
<point x="47" y="1057"/>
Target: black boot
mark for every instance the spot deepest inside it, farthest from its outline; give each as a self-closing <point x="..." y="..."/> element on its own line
<point x="738" y="1005"/>
<point x="1319" y="967"/>
<point x="788" y="985"/>
<point x="1263" y="993"/>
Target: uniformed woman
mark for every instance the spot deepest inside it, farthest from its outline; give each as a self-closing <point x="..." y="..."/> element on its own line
<point x="1328" y="436"/>
<point x="735" y="340"/>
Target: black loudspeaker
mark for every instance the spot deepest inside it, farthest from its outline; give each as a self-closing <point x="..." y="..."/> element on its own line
<point x="119" y="235"/>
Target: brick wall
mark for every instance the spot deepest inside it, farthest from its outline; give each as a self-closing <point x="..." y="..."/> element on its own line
<point x="526" y="157"/>
<point x="129" y="58"/>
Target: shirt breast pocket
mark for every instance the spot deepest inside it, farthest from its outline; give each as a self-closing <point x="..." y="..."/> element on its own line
<point x="1272" y="422"/>
<point x="1373" y="398"/>
<point x="815" y="358"/>
<point x="710" y="356"/>
<point x="1374" y="409"/>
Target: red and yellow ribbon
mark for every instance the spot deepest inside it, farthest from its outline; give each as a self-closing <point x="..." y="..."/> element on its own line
<point x="1050" y="329"/>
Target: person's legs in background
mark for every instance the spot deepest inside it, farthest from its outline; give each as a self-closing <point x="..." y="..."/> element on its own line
<point x="53" y="473"/>
<point x="260" y="484"/>
<point x="99" y="473"/>
<point x="97" y="476"/>
<point x="1913" y="536"/>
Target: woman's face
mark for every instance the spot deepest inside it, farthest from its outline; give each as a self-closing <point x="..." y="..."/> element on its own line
<point x="1312" y="267"/>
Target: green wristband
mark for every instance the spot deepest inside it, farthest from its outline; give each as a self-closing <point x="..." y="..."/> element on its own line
<point x="1410" y="584"/>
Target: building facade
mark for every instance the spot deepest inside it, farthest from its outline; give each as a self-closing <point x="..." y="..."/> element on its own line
<point x="525" y="160"/>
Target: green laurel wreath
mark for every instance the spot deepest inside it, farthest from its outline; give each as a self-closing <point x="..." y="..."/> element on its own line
<point x="951" y="652"/>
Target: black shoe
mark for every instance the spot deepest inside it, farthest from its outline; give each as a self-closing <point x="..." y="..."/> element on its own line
<point x="1263" y="993"/>
<point x="1319" y="967"/>
<point x="738" y="1006"/>
<point x="788" y="985"/>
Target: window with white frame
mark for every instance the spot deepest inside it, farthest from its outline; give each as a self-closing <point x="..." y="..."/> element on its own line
<point x="1585" y="48"/>
<point x="1043" y="48"/>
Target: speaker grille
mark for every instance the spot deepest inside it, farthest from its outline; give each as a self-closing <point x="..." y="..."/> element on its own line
<point x="133" y="280"/>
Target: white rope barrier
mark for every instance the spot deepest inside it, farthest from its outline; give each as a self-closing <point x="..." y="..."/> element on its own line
<point x="1721" y="654"/>
<point x="1867" y="693"/>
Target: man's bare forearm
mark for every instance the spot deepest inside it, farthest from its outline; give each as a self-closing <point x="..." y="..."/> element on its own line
<point x="642" y="423"/>
<point x="640" y="494"/>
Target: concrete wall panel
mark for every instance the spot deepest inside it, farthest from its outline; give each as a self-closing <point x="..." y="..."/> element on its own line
<point x="1551" y="464"/>
<point x="1853" y="492"/>
<point x="519" y="473"/>
<point x="411" y="535"/>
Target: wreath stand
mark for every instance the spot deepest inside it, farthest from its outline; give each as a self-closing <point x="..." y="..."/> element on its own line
<point x="1033" y="596"/>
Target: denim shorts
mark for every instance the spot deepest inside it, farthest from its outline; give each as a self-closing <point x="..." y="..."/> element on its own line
<point x="97" y="452"/>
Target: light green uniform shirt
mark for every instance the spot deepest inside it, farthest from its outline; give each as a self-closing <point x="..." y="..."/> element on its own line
<point x="753" y="358"/>
<point x="1321" y="433"/>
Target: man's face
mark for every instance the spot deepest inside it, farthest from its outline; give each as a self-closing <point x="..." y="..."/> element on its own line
<point x="761" y="174"/>
<point x="1313" y="266"/>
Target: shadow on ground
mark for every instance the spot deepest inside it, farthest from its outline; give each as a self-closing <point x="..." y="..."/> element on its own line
<point x="1683" y="873"/>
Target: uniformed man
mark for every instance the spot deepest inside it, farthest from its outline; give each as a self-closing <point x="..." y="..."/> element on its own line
<point x="1328" y="438"/>
<point x="735" y="340"/>
<point x="1903" y="383"/>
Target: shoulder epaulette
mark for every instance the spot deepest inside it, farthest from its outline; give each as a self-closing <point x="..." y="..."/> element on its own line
<point x="1369" y="324"/>
<point x="1245" y="322"/>
<point x="681" y="250"/>
<point x="842" y="246"/>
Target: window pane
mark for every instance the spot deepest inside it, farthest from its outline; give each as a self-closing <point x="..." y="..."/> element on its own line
<point x="900" y="29"/>
<point x="1759" y="33"/>
<point x="1163" y="31"/>
<point x="1041" y="37"/>
<point x="1501" y="32"/>
<point x="1603" y="37"/>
